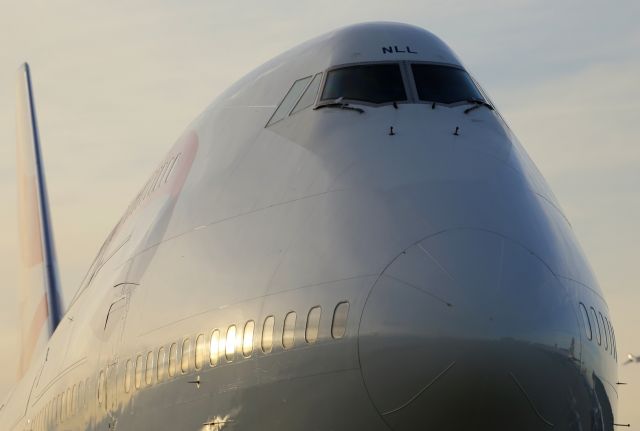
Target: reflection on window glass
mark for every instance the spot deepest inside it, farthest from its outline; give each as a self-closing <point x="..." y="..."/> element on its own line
<point x="587" y="323"/>
<point x="375" y="83"/>
<point x="148" y="374"/>
<point x="214" y="348"/>
<point x="339" y="324"/>
<point x="127" y="376"/>
<point x="310" y="94"/>
<point x="444" y="84"/>
<point x="161" y="364"/>
<point x="267" y="334"/>
<point x="596" y="325"/>
<point x="138" y="379"/>
<point x="186" y="351"/>
<point x="313" y="324"/>
<point x="173" y="359"/>
<point x="201" y="351"/>
<point x="289" y="331"/>
<point x="247" y="339"/>
<point x="289" y="100"/>
<point x="230" y="348"/>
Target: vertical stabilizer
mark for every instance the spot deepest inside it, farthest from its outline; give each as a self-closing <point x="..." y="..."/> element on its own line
<point x="41" y="305"/>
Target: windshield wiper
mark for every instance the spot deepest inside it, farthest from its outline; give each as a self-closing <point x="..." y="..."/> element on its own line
<point x="477" y="103"/>
<point x="338" y="103"/>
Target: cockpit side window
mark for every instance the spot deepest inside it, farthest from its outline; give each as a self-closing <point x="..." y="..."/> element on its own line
<point x="444" y="84"/>
<point x="373" y="83"/>
<point x="289" y="100"/>
<point x="309" y="96"/>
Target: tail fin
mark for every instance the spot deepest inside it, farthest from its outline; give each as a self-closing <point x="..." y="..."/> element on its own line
<point x="41" y="304"/>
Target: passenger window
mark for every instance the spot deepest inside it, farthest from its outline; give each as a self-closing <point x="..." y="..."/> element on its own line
<point x="81" y="395"/>
<point x="610" y="335"/>
<point x="201" y="348"/>
<point x="148" y="374"/>
<point x="605" y="330"/>
<point x="596" y="326"/>
<point x="138" y="379"/>
<point x="444" y="84"/>
<point x="230" y="350"/>
<point x="247" y="339"/>
<point x="310" y="94"/>
<point x="267" y="334"/>
<point x="339" y="324"/>
<point x="74" y="394"/>
<point x="214" y="348"/>
<point x="374" y="83"/>
<point x="186" y="351"/>
<point x="289" y="330"/>
<point x="586" y="320"/>
<point x="313" y="324"/>
<point x="173" y="359"/>
<point x="101" y="389"/>
<point x="161" y="364"/>
<point x="68" y="401"/>
<point x="289" y="100"/>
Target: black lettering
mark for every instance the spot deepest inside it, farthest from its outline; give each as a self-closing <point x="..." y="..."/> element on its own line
<point x="411" y="52"/>
<point x="387" y="50"/>
<point x="398" y="50"/>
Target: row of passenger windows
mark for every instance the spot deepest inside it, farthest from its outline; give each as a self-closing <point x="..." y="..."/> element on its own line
<point x="221" y="345"/>
<point x="598" y="329"/>
<point x="62" y="407"/>
<point x="159" y="177"/>
<point x="381" y="83"/>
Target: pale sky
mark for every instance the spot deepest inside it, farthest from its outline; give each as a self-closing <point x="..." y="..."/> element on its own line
<point x="116" y="82"/>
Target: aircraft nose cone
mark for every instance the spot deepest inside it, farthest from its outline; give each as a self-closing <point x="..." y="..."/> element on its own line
<point x="469" y="330"/>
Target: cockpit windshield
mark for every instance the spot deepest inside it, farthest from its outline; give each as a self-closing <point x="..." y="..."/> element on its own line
<point x="444" y="84"/>
<point x="374" y="83"/>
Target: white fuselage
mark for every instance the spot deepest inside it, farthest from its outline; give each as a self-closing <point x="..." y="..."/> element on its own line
<point x="462" y="279"/>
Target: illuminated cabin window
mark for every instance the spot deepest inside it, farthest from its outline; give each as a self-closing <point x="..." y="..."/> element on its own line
<point x="289" y="330"/>
<point x="339" y="324"/>
<point x="309" y="96"/>
<point x="161" y="364"/>
<point x="313" y="325"/>
<point x="605" y="330"/>
<point x="247" y="338"/>
<point x="138" y="378"/>
<point x="186" y="351"/>
<point x="289" y="100"/>
<point x="214" y="348"/>
<point x="267" y="334"/>
<point x="101" y="390"/>
<point x="444" y="84"/>
<point x="230" y="346"/>
<point x="373" y="83"/>
<point x="173" y="359"/>
<point x="596" y="326"/>
<point x="128" y="369"/>
<point x="148" y="374"/>
<point x="201" y="351"/>
<point x="587" y="322"/>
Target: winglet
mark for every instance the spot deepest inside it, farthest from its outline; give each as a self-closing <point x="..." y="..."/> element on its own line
<point x="41" y="304"/>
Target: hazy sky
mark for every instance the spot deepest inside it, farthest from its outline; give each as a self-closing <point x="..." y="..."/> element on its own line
<point x="117" y="81"/>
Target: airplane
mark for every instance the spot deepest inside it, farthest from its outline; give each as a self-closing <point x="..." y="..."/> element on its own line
<point x="348" y="238"/>
<point x="631" y="359"/>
